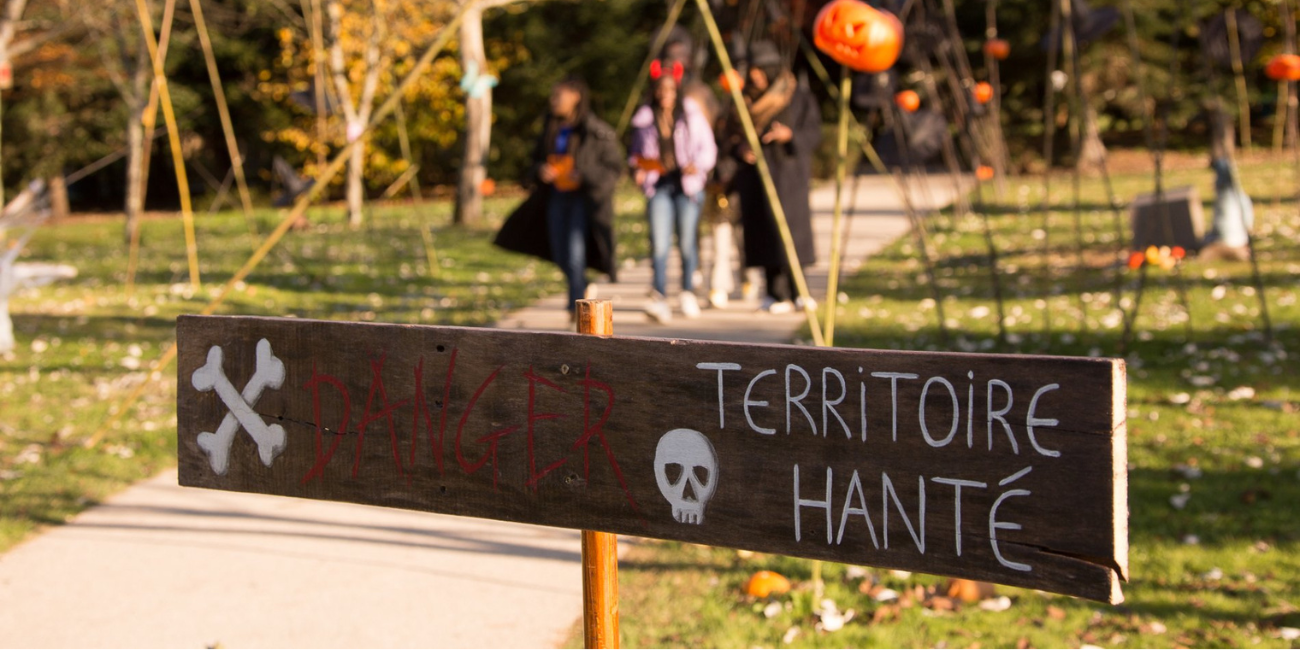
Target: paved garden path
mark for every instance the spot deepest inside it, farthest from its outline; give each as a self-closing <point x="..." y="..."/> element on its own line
<point x="159" y="565"/>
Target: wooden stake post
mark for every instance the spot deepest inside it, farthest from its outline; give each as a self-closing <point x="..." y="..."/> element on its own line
<point x="599" y="550"/>
<point x="1010" y="469"/>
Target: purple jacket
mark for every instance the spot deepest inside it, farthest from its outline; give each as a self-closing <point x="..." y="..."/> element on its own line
<point x="692" y="137"/>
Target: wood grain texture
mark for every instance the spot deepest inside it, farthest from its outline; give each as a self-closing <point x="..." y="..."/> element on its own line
<point x="563" y="430"/>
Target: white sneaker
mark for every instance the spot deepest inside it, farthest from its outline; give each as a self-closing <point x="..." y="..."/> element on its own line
<point x="719" y="299"/>
<point x="799" y="303"/>
<point x="658" y="310"/>
<point x="690" y="306"/>
<point x="771" y="306"/>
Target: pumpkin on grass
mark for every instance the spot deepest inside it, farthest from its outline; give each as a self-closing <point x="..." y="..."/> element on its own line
<point x="765" y="583"/>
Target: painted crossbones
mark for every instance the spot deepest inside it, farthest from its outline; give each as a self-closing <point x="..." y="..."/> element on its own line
<point x="270" y="439"/>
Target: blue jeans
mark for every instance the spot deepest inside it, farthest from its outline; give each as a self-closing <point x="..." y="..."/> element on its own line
<point x="669" y="210"/>
<point x="566" y="227"/>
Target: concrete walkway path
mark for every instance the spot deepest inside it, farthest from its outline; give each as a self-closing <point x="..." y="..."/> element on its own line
<point x="163" y="566"/>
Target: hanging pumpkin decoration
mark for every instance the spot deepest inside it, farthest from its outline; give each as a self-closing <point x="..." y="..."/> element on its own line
<point x="983" y="92"/>
<point x="908" y="100"/>
<point x="732" y="80"/>
<point x="1283" y="67"/>
<point x="984" y="173"/>
<point x="765" y="583"/>
<point x="997" y="49"/>
<point x="859" y="36"/>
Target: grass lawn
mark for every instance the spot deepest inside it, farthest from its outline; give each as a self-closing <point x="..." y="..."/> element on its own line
<point x="1212" y="419"/>
<point x="82" y="345"/>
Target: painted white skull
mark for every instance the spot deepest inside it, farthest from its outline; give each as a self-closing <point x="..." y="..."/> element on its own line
<point x="686" y="469"/>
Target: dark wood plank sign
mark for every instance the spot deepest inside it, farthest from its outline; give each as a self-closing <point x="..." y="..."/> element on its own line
<point x="1010" y="469"/>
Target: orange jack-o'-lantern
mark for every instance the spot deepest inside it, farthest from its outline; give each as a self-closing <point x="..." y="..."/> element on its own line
<point x="997" y="49"/>
<point x="1283" y="67"/>
<point x="984" y="173"/>
<point x="858" y="36"/>
<point x="908" y="100"/>
<point x="983" y="92"/>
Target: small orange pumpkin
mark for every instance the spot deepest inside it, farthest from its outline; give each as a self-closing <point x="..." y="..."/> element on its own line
<point x="908" y="100"/>
<point x="858" y="35"/>
<point x="765" y="583"/>
<point x="984" y="173"/>
<point x="488" y="187"/>
<point x="728" y="81"/>
<point x="1136" y="259"/>
<point x="1283" y="67"/>
<point x="983" y="92"/>
<point x="997" y="49"/>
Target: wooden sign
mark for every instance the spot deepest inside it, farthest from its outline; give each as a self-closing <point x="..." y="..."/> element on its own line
<point x="1010" y="469"/>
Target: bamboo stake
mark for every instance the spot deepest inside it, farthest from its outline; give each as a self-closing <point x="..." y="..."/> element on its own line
<point x="995" y="79"/>
<point x="173" y="134"/>
<point x="778" y="213"/>
<point x="599" y="550"/>
<point x="1049" y="133"/>
<point x="150" y="117"/>
<point x="1076" y="114"/>
<point x="1243" y="103"/>
<point x="311" y="10"/>
<point x="837" y="236"/>
<point x="223" y="110"/>
<point x="644" y="72"/>
<point x="294" y="214"/>
<point x="426" y="236"/>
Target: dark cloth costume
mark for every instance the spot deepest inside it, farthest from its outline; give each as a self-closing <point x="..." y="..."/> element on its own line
<point x="598" y="162"/>
<point x="791" y="166"/>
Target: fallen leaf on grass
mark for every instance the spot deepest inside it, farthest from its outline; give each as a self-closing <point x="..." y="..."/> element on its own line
<point x="1179" y="501"/>
<point x="999" y="604"/>
<point x="1055" y="613"/>
<point x="790" y="635"/>
<point x="885" y="614"/>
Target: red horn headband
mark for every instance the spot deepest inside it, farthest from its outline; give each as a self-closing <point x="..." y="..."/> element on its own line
<point x="657" y="70"/>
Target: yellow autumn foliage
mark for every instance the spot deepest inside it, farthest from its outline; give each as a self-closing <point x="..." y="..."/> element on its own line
<point x="433" y="104"/>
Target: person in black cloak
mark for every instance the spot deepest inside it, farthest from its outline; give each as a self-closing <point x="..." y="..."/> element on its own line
<point x="788" y="122"/>
<point x="568" y="218"/>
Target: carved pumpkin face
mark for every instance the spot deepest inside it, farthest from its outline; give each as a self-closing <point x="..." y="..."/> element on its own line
<point x="1283" y="67"/>
<point x="983" y="92"/>
<point x="908" y="100"/>
<point x="858" y="36"/>
<point x="997" y="49"/>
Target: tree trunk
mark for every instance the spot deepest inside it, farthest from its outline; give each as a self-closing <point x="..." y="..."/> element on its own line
<point x="1092" y="151"/>
<point x="356" y="185"/>
<point x="134" y="170"/>
<point x="478" y="124"/>
<point x="58" y="196"/>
